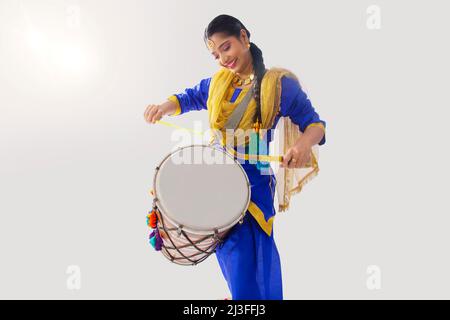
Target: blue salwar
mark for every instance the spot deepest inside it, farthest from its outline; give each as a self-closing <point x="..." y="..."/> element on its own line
<point x="250" y="263"/>
<point x="249" y="258"/>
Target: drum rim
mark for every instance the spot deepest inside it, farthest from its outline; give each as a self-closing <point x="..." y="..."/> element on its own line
<point x="186" y="228"/>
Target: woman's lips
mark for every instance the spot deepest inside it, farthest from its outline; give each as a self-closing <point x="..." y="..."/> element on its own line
<point x="232" y="65"/>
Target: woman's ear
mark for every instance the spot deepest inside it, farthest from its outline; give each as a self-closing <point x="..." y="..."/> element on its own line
<point x="244" y="36"/>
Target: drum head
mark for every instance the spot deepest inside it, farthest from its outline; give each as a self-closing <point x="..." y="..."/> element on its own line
<point x="199" y="194"/>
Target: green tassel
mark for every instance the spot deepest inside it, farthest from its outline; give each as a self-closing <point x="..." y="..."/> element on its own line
<point x="153" y="241"/>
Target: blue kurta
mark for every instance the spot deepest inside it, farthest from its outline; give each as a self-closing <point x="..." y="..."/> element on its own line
<point x="248" y="257"/>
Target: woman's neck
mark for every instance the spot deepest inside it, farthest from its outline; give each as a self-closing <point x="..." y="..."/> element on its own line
<point x="248" y="70"/>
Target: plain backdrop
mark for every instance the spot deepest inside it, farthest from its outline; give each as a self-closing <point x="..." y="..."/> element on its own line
<point x="77" y="158"/>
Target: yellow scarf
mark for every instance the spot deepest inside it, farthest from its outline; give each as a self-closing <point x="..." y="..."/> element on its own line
<point x="270" y="96"/>
<point x="290" y="181"/>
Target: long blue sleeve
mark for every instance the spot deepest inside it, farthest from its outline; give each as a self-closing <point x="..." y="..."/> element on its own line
<point x="296" y="105"/>
<point x="194" y="98"/>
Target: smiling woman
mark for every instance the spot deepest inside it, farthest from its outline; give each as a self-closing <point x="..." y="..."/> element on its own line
<point x="248" y="256"/>
<point x="228" y="52"/>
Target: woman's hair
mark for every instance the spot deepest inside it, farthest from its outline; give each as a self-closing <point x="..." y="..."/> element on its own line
<point x="231" y="26"/>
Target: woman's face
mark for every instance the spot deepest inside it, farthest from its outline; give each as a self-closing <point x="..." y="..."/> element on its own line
<point x="230" y="52"/>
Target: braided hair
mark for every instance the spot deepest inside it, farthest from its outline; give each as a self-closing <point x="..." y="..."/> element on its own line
<point x="231" y="26"/>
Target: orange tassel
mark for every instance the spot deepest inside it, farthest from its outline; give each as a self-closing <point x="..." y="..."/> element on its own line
<point x="152" y="219"/>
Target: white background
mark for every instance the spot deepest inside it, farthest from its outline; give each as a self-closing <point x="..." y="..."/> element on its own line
<point x="77" y="158"/>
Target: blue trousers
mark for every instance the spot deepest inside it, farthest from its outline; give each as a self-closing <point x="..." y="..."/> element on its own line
<point x="250" y="262"/>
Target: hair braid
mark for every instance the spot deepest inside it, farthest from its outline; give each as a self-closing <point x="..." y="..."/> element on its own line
<point x="260" y="70"/>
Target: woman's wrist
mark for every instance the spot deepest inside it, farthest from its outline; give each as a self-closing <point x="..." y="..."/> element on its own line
<point x="304" y="141"/>
<point x="311" y="136"/>
<point x="175" y="108"/>
<point x="168" y="107"/>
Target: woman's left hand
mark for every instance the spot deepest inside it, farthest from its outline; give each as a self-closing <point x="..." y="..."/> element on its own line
<point x="298" y="155"/>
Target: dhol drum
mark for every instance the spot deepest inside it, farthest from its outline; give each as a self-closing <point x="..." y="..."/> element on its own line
<point x="200" y="192"/>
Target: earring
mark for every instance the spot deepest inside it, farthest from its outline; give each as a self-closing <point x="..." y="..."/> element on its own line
<point x="248" y="45"/>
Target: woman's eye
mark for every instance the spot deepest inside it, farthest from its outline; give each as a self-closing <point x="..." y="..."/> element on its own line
<point x="226" y="49"/>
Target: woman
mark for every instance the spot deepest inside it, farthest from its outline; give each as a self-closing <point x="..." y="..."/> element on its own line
<point x="248" y="257"/>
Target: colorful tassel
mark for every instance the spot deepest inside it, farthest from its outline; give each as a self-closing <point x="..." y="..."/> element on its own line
<point x="152" y="219"/>
<point x="155" y="240"/>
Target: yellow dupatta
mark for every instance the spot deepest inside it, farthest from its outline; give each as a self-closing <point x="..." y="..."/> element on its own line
<point x="289" y="181"/>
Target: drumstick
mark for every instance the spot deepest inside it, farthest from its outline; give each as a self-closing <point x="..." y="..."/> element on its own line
<point x="179" y="127"/>
<point x="267" y="158"/>
<point x="245" y="156"/>
<point x="262" y="157"/>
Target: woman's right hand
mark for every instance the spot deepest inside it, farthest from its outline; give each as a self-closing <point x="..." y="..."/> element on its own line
<point x="153" y="113"/>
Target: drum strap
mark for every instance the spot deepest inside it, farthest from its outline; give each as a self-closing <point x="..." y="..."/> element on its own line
<point x="238" y="112"/>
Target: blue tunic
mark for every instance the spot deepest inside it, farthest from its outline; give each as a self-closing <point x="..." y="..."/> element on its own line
<point x="248" y="257"/>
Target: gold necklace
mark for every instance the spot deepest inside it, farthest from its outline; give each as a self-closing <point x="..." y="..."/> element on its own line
<point x="239" y="82"/>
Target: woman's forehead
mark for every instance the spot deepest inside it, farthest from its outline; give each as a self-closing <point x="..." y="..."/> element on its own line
<point x="217" y="40"/>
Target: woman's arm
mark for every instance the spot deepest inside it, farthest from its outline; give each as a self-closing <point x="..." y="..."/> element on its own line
<point x="194" y="98"/>
<point x="191" y="99"/>
<point x="314" y="134"/>
<point x="170" y="107"/>
<point x="296" y="105"/>
<point x="155" y="112"/>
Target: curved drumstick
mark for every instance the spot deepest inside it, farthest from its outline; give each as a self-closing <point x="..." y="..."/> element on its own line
<point x="168" y="124"/>
<point x="262" y="157"/>
<point x="245" y="156"/>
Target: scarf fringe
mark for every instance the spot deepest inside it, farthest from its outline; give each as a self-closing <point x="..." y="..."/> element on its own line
<point x="284" y="207"/>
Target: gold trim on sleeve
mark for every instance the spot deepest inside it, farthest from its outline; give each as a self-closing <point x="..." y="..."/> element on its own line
<point x="316" y="124"/>
<point x="174" y="98"/>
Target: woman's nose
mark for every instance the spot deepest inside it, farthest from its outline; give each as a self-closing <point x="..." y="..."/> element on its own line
<point x="224" y="60"/>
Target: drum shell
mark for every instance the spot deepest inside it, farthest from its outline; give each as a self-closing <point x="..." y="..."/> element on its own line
<point x="177" y="243"/>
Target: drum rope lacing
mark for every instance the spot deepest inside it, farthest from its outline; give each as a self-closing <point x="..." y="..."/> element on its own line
<point x="208" y="251"/>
